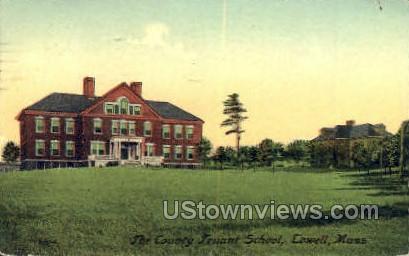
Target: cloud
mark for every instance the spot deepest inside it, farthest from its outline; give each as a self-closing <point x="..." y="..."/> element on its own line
<point x="154" y="35"/>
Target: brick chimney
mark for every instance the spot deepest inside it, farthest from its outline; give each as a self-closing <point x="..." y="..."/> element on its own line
<point x="136" y="87"/>
<point x="89" y="87"/>
<point x="350" y="122"/>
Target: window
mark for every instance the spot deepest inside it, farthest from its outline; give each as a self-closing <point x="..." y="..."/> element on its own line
<point x="178" y="152"/>
<point x="116" y="109"/>
<point x="123" y="103"/>
<point x="131" y="128"/>
<point x="166" y="131"/>
<point x="55" y="148"/>
<point x="178" y="132"/>
<point x="189" y="132"/>
<point x="69" y="148"/>
<point x="39" y="120"/>
<point x="166" y="151"/>
<point x="97" y="126"/>
<point x="109" y="108"/>
<point x="147" y="129"/>
<point x="189" y="153"/>
<point x="134" y="110"/>
<point x="123" y="107"/>
<point x="55" y="125"/>
<point x="124" y="127"/>
<point x="40" y="147"/>
<point x="149" y="149"/>
<point x="97" y="148"/>
<point x="115" y="127"/>
<point x="69" y="126"/>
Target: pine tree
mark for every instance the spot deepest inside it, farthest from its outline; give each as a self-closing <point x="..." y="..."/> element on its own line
<point x="234" y="109"/>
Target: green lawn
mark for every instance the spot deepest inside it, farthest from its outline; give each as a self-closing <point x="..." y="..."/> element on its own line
<point x="99" y="211"/>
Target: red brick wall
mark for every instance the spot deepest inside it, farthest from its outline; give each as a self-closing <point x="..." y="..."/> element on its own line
<point x="28" y="136"/>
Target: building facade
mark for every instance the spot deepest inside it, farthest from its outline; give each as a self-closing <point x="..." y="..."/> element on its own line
<point x="120" y="127"/>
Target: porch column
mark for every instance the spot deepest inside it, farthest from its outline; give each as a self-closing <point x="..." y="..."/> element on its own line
<point x="118" y="149"/>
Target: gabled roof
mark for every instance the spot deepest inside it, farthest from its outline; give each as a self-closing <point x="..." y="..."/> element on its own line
<point x="170" y="111"/>
<point x="352" y="132"/>
<point x="76" y="103"/>
<point x="62" y="102"/>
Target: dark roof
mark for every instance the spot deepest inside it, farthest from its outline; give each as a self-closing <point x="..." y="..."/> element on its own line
<point x="352" y="132"/>
<point x="76" y="103"/>
<point x="62" y="102"/>
<point x="170" y="111"/>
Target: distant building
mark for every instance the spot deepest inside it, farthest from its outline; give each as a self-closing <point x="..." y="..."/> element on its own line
<point x="120" y="127"/>
<point x="338" y="140"/>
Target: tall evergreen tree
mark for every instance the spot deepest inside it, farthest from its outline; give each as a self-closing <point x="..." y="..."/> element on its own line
<point x="234" y="110"/>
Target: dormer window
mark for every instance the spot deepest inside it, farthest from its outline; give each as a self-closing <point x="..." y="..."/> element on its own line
<point x="124" y="103"/>
<point x="109" y="108"/>
<point x="122" y="107"/>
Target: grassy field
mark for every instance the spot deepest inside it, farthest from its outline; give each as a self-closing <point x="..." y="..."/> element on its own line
<point x="100" y="211"/>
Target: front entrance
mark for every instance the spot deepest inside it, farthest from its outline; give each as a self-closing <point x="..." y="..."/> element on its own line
<point x="126" y="149"/>
<point x="124" y="152"/>
<point x="129" y="151"/>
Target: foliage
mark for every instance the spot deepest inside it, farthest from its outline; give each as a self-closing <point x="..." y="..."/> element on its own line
<point x="204" y="149"/>
<point x="298" y="150"/>
<point x="391" y="151"/>
<point x="220" y="156"/>
<point x="234" y="110"/>
<point x="270" y="151"/>
<point x="360" y="155"/>
<point x="254" y="156"/>
<point x="11" y="152"/>
<point x="404" y="146"/>
<point x="322" y="154"/>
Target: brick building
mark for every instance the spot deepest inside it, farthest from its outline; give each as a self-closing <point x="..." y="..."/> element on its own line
<point x="120" y="127"/>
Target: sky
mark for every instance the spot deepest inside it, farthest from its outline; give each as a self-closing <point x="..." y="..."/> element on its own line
<point x="298" y="65"/>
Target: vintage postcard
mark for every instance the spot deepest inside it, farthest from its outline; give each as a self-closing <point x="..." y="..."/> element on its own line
<point x="204" y="127"/>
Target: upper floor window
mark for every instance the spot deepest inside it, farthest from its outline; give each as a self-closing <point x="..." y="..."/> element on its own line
<point x="115" y="126"/>
<point x="149" y="147"/>
<point x="123" y="104"/>
<point x="40" y="148"/>
<point x="178" y="152"/>
<point x="97" y="126"/>
<point x="147" y="128"/>
<point x="39" y="120"/>
<point x="124" y="127"/>
<point x="55" y="148"/>
<point x="166" y="131"/>
<point x="109" y="108"/>
<point x="69" y="148"/>
<point x="189" y="132"/>
<point x="55" y="125"/>
<point x="97" y="148"/>
<point x="69" y="126"/>
<point x="134" y="109"/>
<point x="166" y="151"/>
<point x="178" y="132"/>
<point x="131" y="128"/>
<point x="123" y="107"/>
<point x="189" y="153"/>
